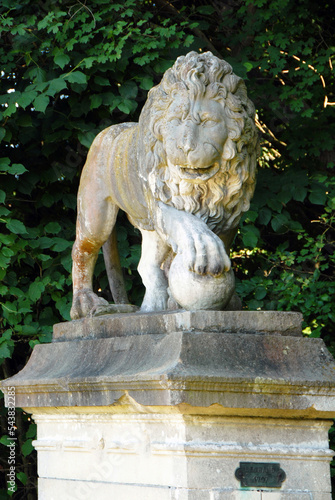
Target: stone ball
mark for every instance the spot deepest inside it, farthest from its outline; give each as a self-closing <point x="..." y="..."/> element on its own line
<point x="194" y="292"/>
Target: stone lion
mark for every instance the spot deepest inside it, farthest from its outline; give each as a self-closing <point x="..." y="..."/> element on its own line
<point x="184" y="175"/>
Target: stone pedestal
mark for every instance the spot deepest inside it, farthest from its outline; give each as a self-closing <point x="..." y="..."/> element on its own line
<point x="167" y="407"/>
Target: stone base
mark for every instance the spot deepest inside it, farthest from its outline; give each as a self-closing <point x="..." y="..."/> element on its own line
<point x="144" y="456"/>
<point x="166" y="406"/>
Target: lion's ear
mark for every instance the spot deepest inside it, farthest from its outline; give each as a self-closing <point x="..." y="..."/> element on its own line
<point x="229" y="150"/>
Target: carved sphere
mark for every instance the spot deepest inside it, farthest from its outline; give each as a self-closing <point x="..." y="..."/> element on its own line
<point x="194" y="292"/>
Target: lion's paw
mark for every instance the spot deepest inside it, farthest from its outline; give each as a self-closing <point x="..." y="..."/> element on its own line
<point x="206" y="254"/>
<point x="155" y="300"/>
<point x="83" y="302"/>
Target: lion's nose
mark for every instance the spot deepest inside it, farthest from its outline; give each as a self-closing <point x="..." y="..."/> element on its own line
<point x="188" y="143"/>
<point x="187" y="148"/>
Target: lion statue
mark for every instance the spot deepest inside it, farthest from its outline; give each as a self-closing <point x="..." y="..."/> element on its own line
<point x="184" y="175"/>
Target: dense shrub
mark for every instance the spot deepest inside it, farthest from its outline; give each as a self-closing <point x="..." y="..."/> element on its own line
<point x="71" y="68"/>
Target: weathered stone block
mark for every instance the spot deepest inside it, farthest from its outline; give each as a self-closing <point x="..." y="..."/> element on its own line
<point x="171" y="413"/>
<point x="119" y="325"/>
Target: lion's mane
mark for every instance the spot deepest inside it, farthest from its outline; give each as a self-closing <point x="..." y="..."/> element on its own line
<point x="221" y="201"/>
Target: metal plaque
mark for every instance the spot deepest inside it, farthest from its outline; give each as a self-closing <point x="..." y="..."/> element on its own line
<point x="266" y="475"/>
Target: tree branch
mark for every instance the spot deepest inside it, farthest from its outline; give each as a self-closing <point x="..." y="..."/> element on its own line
<point x="165" y="4"/>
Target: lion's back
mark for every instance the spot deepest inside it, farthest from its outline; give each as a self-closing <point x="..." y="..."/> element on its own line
<point x="128" y="188"/>
<point x="113" y="131"/>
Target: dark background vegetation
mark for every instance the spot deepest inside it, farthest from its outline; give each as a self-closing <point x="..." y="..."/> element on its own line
<point x="70" y="68"/>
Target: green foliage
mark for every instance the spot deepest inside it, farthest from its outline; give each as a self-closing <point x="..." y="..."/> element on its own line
<point x="70" y="69"/>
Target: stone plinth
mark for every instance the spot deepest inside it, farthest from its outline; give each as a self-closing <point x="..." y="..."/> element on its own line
<point x="166" y="406"/>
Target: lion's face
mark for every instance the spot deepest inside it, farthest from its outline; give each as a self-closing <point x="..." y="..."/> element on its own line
<point x="199" y="141"/>
<point x="193" y="135"/>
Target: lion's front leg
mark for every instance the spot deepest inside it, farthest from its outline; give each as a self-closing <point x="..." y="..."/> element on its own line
<point x="154" y="252"/>
<point x="203" y="251"/>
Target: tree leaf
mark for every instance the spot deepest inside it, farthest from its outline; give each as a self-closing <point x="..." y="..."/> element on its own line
<point x="260" y="293"/>
<point x="317" y="197"/>
<point x="264" y="216"/>
<point x="16" y="226"/>
<point x="31" y="432"/>
<point x="146" y="83"/>
<point x="4" y="164"/>
<point x="279" y="223"/>
<point x="96" y="101"/>
<point x="6" y="440"/>
<point x="76" y="77"/>
<point x="128" y="90"/>
<point x="10" y="110"/>
<point x="38" y="75"/>
<point x="56" y="85"/>
<point x="40" y="103"/>
<point x="27" y="98"/>
<point x="86" y="138"/>
<point x="27" y="329"/>
<point x="60" y="244"/>
<point x="22" y="477"/>
<point x="45" y="242"/>
<point x="17" y="169"/>
<point x="61" y="59"/>
<point x="52" y="227"/>
<point x="4" y="211"/>
<point x="299" y="193"/>
<point x="102" y="81"/>
<point x="27" y="447"/>
<point x="35" y="290"/>
<point x="250" y="236"/>
<point x="126" y="106"/>
<point x="5" y="351"/>
<point x="248" y="66"/>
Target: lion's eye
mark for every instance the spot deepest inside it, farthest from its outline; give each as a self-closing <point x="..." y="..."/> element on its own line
<point x="208" y="122"/>
<point x="175" y="120"/>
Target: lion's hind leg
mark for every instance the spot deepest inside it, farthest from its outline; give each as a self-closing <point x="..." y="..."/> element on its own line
<point x="114" y="270"/>
<point x="95" y="223"/>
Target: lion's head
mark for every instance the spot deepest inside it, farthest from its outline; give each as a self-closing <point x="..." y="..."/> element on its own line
<point x="200" y="140"/>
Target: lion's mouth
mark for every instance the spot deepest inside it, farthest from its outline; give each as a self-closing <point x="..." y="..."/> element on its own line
<point x="198" y="174"/>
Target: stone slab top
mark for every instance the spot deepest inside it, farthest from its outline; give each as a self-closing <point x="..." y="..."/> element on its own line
<point x="119" y="325"/>
<point x="237" y="362"/>
<point x="240" y="373"/>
